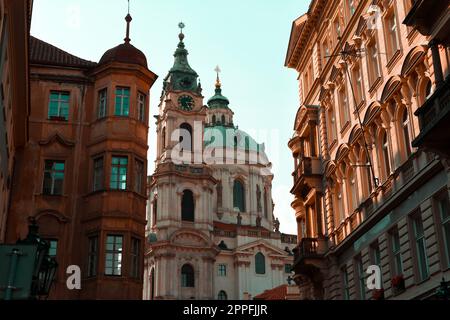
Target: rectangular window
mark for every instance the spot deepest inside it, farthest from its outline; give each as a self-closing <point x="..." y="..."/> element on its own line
<point x="58" y="108"/>
<point x="122" y="106"/>
<point x="93" y="256"/>
<point x="326" y="52"/>
<point x="444" y="215"/>
<point x="102" y="103"/>
<point x="358" y="85"/>
<point x="344" y="111"/>
<point x="345" y="284"/>
<point x="114" y="251"/>
<point x="119" y="171"/>
<point x="332" y="126"/>
<point x="397" y="262"/>
<point x="374" y="62"/>
<point x="141" y="107"/>
<point x="135" y="255"/>
<point x="53" y="177"/>
<point x="375" y="254"/>
<point x="139" y="176"/>
<point x="98" y="174"/>
<point x="361" y="278"/>
<point x="222" y="270"/>
<point x="391" y="29"/>
<point x="420" y="247"/>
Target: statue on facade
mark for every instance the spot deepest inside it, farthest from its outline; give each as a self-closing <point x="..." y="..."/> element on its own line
<point x="239" y="219"/>
<point x="258" y="221"/>
<point x="277" y="225"/>
<point x="258" y="199"/>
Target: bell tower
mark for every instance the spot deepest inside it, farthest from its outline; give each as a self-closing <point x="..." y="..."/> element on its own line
<point x="180" y="213"/>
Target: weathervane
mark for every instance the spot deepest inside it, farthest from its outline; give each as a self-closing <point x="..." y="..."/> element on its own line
<point x="217" y="70"/>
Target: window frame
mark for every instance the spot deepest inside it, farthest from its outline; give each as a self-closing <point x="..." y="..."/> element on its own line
<point x="260" y="264"/>
<point x="135" y="251"/>
<point x="419" y="244"/>
<point x="59" y="114"/>
<point x="222" y="270"/>
<point x="119" y="166"/>
<point x="98" y="183"/>
<point x="102" y="111"/>
<point x="53" y="179"/>
<point x="141" y="106"/>
<point x="93" y="255"/>
<point x="122" y="110"/>
<point x="116" y="254"/>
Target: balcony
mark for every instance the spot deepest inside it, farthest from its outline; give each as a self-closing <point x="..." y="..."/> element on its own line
<point x="309" y="251"/>
<point x="307" y="175"/>
<point x="434" y="119"/>
<point x="430" y="18"/>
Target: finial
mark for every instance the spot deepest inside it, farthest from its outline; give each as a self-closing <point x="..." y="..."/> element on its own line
<point x="181" y="25"/>
<point x="217" y="70"/>
<point x="128" y="19"/>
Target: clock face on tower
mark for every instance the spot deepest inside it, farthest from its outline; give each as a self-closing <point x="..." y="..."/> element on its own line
<point x="186" y="102"/>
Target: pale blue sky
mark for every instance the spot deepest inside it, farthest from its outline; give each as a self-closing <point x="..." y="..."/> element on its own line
<point x="247" y="38"/>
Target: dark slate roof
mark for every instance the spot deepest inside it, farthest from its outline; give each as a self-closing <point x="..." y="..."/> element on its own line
<point x="42" y="52"/>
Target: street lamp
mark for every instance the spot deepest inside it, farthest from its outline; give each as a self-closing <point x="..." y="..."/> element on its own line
<point x="47" y="275"/>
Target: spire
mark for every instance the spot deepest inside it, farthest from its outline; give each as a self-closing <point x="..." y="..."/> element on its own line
<point x="217" y="70"/>
<point x="128" y="19"/>
<point x="218" y="100"/>
<point x="181" y="64"/>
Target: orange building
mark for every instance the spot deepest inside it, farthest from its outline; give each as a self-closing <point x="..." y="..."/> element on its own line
<point x="15" y="18"/>
<point x="82" y="174"/>
<point x="364" y="195"/>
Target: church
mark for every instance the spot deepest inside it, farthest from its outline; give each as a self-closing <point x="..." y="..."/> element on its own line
<point x="211" y="233"/>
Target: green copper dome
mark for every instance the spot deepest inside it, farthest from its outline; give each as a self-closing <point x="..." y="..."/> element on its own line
<point x="225" y="137"/>
<point x="218" y="100"/>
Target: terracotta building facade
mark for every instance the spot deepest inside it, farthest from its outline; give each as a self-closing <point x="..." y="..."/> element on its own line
<point x="82" y="173"/>
<point x="15" y="18"/>
<point x="211" y="230"/>
<point x="364" y="195"/>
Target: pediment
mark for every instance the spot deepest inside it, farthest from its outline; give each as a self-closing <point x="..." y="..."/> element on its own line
<point x="253" y="247"/>
<point x="190" y="239"/>
<point x="57" y="138"/>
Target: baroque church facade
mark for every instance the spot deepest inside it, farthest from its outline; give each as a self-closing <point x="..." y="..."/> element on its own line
<point x="211" y="232"/>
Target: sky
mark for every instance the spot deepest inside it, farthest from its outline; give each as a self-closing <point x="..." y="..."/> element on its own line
<point x="248" y="39"/>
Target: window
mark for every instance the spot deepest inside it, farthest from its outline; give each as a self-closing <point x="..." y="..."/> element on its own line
<point x="391" y="29"/>
<point x="353" y="188"/>
<point x="222" y="270"/>
<point x="239" y="196"/>
<point x="139" y="176"/>
<point x="102" y="103"/>
<point x="98" y="174"/>
<point x="58" y="108"/>
<point x="405" y="131"/>
<point x="122" y="107"/>
<point x="92" y="256"/>
<point x="287" y="268"/>
<point x="187" y="276"/>
<point x="337" y="29"/>
<point x="222" y="295"/>
<point x="260" y="263"/>
<point x="373" y="62"/>
<point x="345" y="284"/>
<point x="119" y="170"/>
<point x="385" y="153"/>
<point x="375" y="254"/>
<point x="187" y="206"/>
<point x="135" y="251"/>
<point x="332" y="126"/>
<point x="351" y="7"/>
<point x="141" y="107"/>
<point x="53" y="249"/>
<point x="444" y="216"/>
<point x="358" y="85"/>
<point x="155" y="212"/>
<point x="53" y="177"/>
<point x="366" y="176"/>
<point x="114" y="251"/>
<point x="325" y="52"/>
<point x="420" y="247"/>
<point x="397" y="262"/>
<point x="186" y="137"/>
<point x="361" y="278"/>
<point x="344" y="110"/>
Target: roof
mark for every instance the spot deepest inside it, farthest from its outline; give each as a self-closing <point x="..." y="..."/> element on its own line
<point x="244" y="141"/>
<point x="42" y="52"/>
<point x="125" y="53"/>
<point x="278" y="293"/>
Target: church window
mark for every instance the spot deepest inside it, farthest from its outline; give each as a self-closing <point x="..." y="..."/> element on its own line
<point x="187" y="206"/>
<point x="239" y="196"/>
<point x="222" y="270"/>
<point x="222" y="295"/>
<point x="186" y="137"/>
<point x="260" y="263"/>
<point x="187" y="276"/>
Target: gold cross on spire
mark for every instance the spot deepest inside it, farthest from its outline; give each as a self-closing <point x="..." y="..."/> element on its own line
<point x="217" y="70"/>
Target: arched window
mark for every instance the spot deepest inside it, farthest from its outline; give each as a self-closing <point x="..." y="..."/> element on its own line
<point x="239" y="196"/>
<point x="222" y="295"/>
<point x="214" y="120"/>
<point x="155" y="212"/>
<point x="353" y="184"/>
<point x="163" y="139"/>
<point x="260" y="263"/>
<point x="223" y="119"/>
<point x="187" y="276"/>
<point x="385" y="154"/>
<point x="405" y="130"/>
<point x="186" y="137"/>
<point x="187" y="206"/>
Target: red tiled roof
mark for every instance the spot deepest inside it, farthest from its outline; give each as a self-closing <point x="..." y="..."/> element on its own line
<point x="42" y="52"/>
<point x="278" y="293"/>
